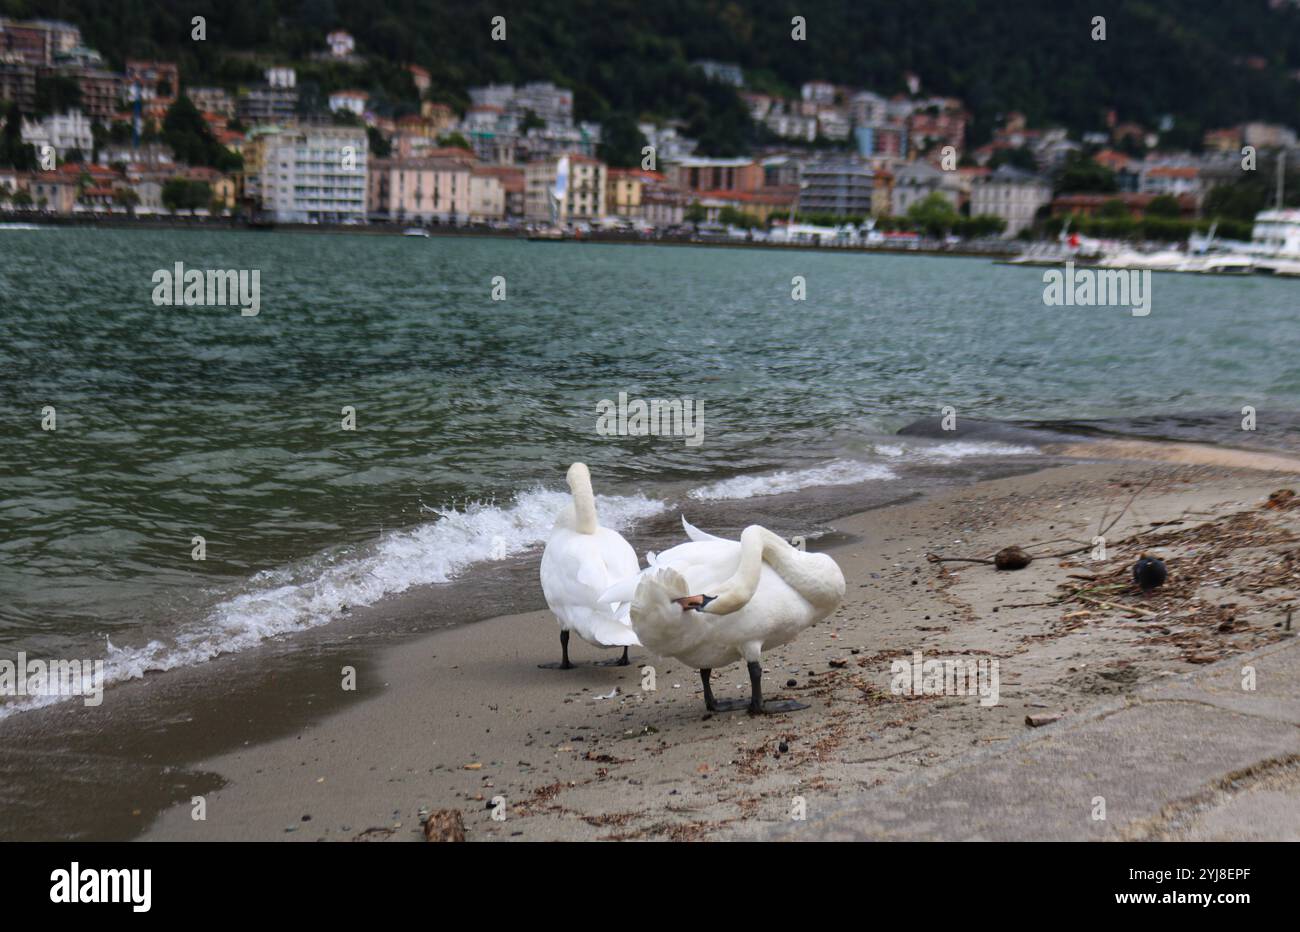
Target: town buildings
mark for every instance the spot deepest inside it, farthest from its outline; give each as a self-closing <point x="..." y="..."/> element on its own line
<point x="1012" y="195"/>
<point x="578" y="195"/>
<point x="842" y="187"/>
<point x="64" y="132"/>
<point x="311" y="174"/>
<point x="422" y="190"/>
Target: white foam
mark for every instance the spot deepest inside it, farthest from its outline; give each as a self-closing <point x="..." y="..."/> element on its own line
<point x="951" y="450"/>
<point x="837" y="472"/>
<point x="317" y="591"/>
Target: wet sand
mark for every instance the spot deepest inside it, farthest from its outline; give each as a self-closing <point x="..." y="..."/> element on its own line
<point x="461" y="717"/>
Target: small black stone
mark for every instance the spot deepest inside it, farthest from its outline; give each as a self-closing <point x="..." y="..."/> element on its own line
<point x="783" y="747"/>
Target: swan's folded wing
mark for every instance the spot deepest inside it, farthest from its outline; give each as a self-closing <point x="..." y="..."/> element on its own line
<point x="622" y="591"/>
<point x="605" y="630"/>
<point x="694" y="533"/>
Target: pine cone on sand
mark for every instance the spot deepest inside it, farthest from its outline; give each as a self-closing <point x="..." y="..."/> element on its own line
<point x="1011" y="558"/>
<point x="444" y="825"/>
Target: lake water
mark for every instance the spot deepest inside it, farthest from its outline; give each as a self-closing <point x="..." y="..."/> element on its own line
<point x="180" y="422"/>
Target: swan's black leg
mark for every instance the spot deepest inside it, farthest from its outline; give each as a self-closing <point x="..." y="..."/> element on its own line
<point x="564" y="654"/>
<point x="756" y="704"/>
<point x="620" y="662"/>
<point x="718" y="705"/>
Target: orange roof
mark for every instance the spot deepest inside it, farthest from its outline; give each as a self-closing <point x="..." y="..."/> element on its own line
<point x="1111" y="159"/>
<point x="1174" y="171"/>
<point x="77" y="169"/>
<point x="512" y="179"/>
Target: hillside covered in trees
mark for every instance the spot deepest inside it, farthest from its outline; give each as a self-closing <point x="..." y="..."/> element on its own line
<point x="1206" y="63"/>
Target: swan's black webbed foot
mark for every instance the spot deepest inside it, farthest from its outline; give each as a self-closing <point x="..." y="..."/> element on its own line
<point x="756" y="705"/>
<point x="614" y="661"/>
<point x="719" y="705"/>
<point x="778" y="705"/>
<point x="564" y="655"/>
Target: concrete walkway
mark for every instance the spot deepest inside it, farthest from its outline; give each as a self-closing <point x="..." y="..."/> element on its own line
<point x="1195" y="757"/>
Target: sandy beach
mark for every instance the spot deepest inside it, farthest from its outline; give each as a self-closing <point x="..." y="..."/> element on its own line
<point x="464" y="719"/>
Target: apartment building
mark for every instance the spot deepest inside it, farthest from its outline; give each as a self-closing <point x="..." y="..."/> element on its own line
<point x="1011" y="194"/>
<point x="581" y="181"/>
<point x="312" y="174"/>
<point x="212" y="100"/>
<point x="422" y="190"/>
<point x="705" y="174"/>
<point x="65" y="132"/>
<point x="511" y="179"/>
<point x="840" y="187"/>
<point x="487" y="196"/>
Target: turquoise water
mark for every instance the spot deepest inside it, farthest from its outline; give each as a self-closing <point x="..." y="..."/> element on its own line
<point x="181" y="421"/>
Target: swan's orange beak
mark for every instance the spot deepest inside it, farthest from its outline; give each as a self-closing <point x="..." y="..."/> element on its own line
<point x="695" y="602"/>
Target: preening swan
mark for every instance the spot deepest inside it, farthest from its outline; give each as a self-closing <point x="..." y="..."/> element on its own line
<point x="711" y="602"/>
<point x="581" y="560"/>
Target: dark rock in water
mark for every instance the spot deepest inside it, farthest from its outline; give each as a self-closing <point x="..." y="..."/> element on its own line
<point x="1011" y="558"/>
<point x="969" y="428"/>
<point x="445" y="825"/>
<point x="1149" y="573"/>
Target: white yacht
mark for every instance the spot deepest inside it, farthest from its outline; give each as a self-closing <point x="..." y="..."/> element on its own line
<point x="1275" y="241"/>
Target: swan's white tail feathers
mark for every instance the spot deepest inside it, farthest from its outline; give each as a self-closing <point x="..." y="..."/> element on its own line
<point x="695" y="533"/>
<point x="610" y="632"/>
<point x="622" y="591"/>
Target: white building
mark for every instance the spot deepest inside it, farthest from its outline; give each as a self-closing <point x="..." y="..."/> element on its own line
<point x="63" y="131"/>
<point x="1170" y="179"/>
<point x="314" y="174"/>
<point x="351" y="101"/>
<point x="916" y="181"/>
<point x="818" y="92"/>
<point x="721" y="71"/>
<point x="341" y="43"/>
<point x="868" y="109"/>
<point x="577" y="180"/>
<point x="281" y="77"/>
<point x="792" y="125"/>
<point x="1011" y="194"/>
<point x="549" y="103"/>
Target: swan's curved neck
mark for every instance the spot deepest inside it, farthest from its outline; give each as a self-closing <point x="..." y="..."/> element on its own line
<point x="584" y="501"/>
<point x="757" y="545"/>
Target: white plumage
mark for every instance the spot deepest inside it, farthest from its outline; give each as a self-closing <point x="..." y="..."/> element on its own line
<point x="581" y="560"/>
<point x="758" y="593"/>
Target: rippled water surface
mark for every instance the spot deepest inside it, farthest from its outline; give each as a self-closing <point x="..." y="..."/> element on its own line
<point x="176" y="422"/>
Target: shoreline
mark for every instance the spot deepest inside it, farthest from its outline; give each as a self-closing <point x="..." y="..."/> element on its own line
<point x="269" y="732"/>
<point x="435" y="231"/>
<point x="465" y="716"/>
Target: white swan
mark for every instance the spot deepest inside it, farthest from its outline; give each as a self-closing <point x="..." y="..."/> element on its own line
<point x="580" y="562"/>
<point x="765" y="593"/>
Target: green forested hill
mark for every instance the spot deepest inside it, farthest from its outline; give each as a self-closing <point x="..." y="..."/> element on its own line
<point x="1207" y="62"/>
